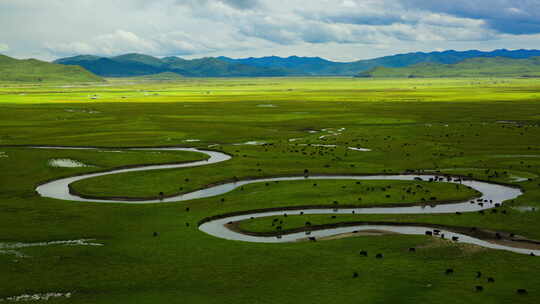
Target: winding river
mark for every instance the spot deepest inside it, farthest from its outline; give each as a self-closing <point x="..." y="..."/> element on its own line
<point x="491" y="196"/>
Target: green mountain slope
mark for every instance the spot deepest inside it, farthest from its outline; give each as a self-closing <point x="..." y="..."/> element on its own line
<point x="32" y="70"/>
<point x="319" y="67"/>
<point x="139" y="64"/>
<point x="214" y="67"/>
<point x="139" y="58"/>
<point x="475" y="67"/>
<point x="111" y="67"/>
<point x="165" y="76"/>
<point x="130" y="65"/>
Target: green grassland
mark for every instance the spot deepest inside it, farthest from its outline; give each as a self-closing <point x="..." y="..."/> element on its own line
<point x="269" y="90"/>
<point x="486" y="128"/>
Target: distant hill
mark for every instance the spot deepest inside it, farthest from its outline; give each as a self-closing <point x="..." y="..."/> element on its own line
<point x="139" y="58"/>
<point x="474" y="67"/>
<point x="139" y="64"/>
<point x="274" y="61"/>
<point x="112" y="67"/>
<point x="165" y="76"/>
<point x="293" y="65"/>
<point x="32" y="70"/>
<point x="214" y="67"/>
<point x="321" y="67"/>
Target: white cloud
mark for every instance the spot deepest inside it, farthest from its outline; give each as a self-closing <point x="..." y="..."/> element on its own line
<point x="336" y="29"/>
<point x="119" y="41"/>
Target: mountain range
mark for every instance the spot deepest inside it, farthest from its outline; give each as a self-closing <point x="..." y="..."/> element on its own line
<point x="139" y="64"/>
<point x="472" y="67"/>
<point x="130" y="65"/>
<point x="88" y="68"/>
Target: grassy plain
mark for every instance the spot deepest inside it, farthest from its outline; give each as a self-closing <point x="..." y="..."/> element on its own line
<point x="458" y="126"/>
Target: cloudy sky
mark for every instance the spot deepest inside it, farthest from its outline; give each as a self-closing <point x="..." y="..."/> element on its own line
<point x="342" y="30"/>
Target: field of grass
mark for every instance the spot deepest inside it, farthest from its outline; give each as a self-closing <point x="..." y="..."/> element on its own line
<point x="485" y="128"/>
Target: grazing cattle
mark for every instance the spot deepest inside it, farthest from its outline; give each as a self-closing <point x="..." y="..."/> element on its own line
<point x="187" y="209"/>
<point x="312" y="239"/>
<point x="449" y="271"/>
<point x="379" y="256"/>
<point x="455" y="238"/>
<point x="498" y="236"/>
<point x="363" y="253"/>
<point x="429" y="233"/>
<point x="458" y="213"/>
<point x="412" y="249"/>
<point x="521" y="291"/>
<point x="479" y="288"/>
<point x="491" y="280"/>
<point x="187" y="224"/>
<point x="355" y="274"/>
<point x="478" y="274"/>
<point x="532" y="254"/>
<point x="155" y="234"/>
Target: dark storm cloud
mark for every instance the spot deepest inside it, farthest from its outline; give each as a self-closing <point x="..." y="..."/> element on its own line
<point x="506" y="16"/>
